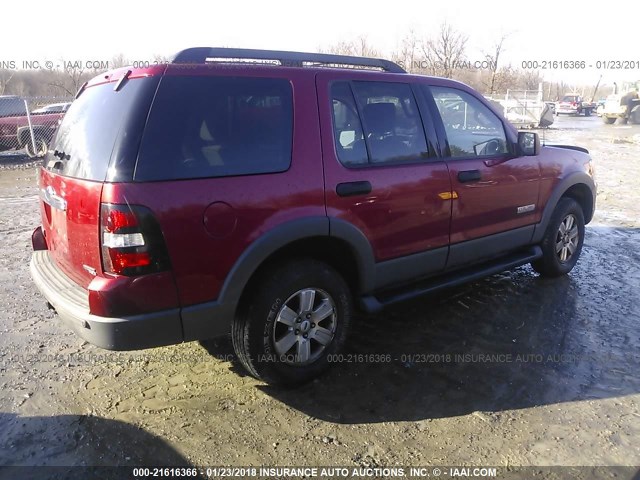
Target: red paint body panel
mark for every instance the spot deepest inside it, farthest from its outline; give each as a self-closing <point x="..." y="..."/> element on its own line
<point x="409" y="209"/>
<point x="557" y="164"/>
<point x="491" y="205"/>
<point x="201" y="261"/>
<point x="73" y="235"/>
<point x="404" y="213"/>
<point x="115" y="296"/>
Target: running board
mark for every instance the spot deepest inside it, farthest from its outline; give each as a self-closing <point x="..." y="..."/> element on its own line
<point x="375" y="303"/>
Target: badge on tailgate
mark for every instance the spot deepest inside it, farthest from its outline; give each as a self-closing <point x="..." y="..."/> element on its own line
<point x="51" y="198"/>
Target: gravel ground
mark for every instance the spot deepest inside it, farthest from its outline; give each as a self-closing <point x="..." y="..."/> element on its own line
<point x="510" y="370"/>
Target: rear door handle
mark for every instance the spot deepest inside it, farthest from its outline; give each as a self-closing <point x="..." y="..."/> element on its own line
<point x="469" y="176"/>
<point x="350" y="189"/>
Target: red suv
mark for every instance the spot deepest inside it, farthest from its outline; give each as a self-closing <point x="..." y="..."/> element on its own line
<point x="268" y="194"/>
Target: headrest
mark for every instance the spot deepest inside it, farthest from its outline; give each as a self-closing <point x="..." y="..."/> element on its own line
<point x="380" y="118"/>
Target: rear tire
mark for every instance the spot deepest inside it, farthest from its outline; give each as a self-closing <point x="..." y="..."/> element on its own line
<point x="41" y="147"/>
<point x="297" y="317"/>
<point x="562" y="241"/>
<point x="609" y="120"/>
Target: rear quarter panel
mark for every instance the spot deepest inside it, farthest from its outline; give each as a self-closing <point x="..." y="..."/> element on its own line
<point x="248" y="206"/>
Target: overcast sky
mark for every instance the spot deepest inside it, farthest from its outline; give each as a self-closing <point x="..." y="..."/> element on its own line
<point x="538" y="30"/>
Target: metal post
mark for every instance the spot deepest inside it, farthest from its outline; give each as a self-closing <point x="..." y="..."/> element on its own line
<point x="33" y="138"/>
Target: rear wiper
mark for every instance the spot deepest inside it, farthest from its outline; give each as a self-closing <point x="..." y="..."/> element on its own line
<point x="57" y="164"/>
<point x="84" y="85"/>
<point x="61" y="155"/>
<point x="122" y="81"/>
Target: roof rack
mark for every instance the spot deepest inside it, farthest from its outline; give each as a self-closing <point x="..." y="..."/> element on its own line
<point x="283" y="58"/>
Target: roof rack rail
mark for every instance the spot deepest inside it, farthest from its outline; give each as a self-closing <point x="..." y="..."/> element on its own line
<point x="287" y="59"/>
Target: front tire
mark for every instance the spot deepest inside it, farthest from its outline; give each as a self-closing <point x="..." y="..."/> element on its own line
<point x="297" y="317"/>
<point x="562" y="241"/>
<point x="609" y="120"/>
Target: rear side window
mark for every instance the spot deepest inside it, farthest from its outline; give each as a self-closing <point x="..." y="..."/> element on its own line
<point x="100" y="124"/>
<point x="202" y="127"/>
<point x="376" y="123"/>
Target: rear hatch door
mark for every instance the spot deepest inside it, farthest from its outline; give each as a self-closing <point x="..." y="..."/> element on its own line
<point x="96" y="142"/>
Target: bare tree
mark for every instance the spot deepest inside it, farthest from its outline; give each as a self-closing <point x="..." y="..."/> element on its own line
<point x="409" y="55"/>
<point x="365" y="49"/>
<point x="492" y="59"/>
<point x="359" y="47"/>
<point x="340" y="48"/>
<point x="5" y="79"/>
<point x="529" y="79"/>
<point x="444" y="52"/>
<point x="118" y="61"/>
<point x="72" y="77"/>
<point x="158" y="58"/>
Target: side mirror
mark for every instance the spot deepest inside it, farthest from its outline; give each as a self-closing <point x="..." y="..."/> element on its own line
<point x="528" y="144"/>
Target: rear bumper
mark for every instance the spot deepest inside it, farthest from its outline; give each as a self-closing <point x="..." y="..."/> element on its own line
<point x="71" y="302"/>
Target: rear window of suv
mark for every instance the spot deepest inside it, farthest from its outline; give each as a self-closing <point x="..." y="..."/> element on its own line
<point x="100" y="133"/>
<point x="202" y="126"/>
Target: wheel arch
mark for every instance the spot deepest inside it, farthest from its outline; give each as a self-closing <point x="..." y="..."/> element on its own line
<point x="578" y="186"/>
<point x="39" y="131"/>
<point x="342" y="246"/>
<point x="582" y="194"/>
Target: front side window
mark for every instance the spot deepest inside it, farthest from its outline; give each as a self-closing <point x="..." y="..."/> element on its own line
<point x="205" y="126"/>
<point x="472" y="129"/>
<point x="376" y="123"/>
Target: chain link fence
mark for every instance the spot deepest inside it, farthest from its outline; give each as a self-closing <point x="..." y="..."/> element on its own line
<point x="27" y="124"/>
<point x="525" y="108"/>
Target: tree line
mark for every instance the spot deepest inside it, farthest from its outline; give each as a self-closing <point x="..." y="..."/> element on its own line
<point x="442" y="54"/>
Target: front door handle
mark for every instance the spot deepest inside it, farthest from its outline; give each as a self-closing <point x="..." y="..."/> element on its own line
<point x="469" y="176"/>
<point x="350" y="189"/>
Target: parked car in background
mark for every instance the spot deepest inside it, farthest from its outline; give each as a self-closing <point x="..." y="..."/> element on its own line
<point x="16" y="127"/>
<point x="269" y="200"/>
<point x="53" y="108"/>
<point x="574" y="104"/>
<point x="12" y="105"/>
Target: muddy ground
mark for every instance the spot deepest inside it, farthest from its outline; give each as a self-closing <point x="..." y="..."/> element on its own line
<point x="566" y="390"/>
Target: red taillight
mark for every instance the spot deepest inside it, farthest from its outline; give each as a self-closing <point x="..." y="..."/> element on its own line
<point x="116" y="220"/>
<point x="132" y="242"/>
<point x="122" y="260"/>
